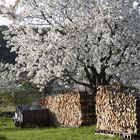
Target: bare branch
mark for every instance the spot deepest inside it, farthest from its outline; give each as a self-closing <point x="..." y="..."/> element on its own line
<point x="76" y="81"/>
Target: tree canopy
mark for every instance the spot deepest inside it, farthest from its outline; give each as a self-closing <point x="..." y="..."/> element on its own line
<point x="89" y="42"/>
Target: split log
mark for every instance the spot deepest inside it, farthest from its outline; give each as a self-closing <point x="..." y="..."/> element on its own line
<point x="117" y="109"/>
<point x="70" y="109"/>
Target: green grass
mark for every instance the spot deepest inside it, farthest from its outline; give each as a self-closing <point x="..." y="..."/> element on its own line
<point x="7" y="108"/>
<point x="9" y="132"/>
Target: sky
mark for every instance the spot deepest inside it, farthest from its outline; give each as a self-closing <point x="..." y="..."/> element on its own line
<point x="3" y="20"/>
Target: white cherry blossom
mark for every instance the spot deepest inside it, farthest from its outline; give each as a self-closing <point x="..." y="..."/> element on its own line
<point x="89" y="42"/>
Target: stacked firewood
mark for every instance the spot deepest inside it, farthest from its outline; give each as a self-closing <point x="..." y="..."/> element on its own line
<point x="118" y="109"/>
<point x="70" y="109"/>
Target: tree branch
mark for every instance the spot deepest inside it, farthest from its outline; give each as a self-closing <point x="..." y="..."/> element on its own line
<point x="112" y="32"/>
<point x="121" y="56"/>
<point x="77" y="82"/>
<point x="88" y="75"/>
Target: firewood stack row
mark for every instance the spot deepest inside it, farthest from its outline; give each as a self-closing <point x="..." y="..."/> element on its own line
<point x="118" y="109"/>
<point x="70" y="109"/>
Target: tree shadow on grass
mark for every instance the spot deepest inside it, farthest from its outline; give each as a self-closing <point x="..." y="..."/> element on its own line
<point x="2" y="138"/>
<point x="6" y="114"/>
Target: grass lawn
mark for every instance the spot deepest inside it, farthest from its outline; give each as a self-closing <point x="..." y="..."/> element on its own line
<point x="9" y="132"/>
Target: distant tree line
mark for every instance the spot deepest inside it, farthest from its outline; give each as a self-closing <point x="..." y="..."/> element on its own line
<point x="5" y="55"/>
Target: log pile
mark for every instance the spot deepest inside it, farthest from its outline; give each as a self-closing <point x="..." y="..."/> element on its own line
<point x="118" y="109"/>
<point x="70" y="109"/>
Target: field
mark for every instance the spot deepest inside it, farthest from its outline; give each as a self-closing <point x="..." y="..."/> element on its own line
<point x="9" y="132"/>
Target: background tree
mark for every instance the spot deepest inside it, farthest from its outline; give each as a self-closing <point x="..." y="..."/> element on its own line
<point x="11" y="91"/>
<point x="15" y="93"/>
<point x="5" y="55"/>
<point x="88" y="42"/>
